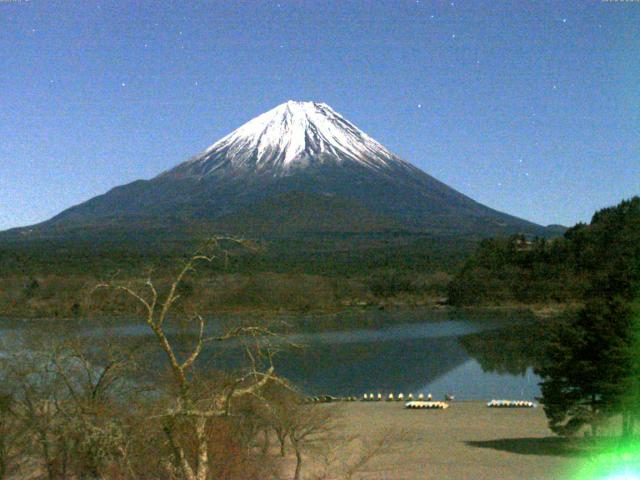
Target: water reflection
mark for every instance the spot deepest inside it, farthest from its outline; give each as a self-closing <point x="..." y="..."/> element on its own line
<point x="510" y="350"/>
<point x="470" y="359"/>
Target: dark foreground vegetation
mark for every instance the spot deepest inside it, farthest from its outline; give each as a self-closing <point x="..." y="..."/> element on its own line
<point x="88" y="406"/>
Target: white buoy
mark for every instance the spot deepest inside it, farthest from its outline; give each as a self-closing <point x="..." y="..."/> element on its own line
<point x="390" y="397"/>
<point x="421" y="396"/>
<point x="400" y="397"/>
<point x="379" y="397"/>
<point x="429" y="398"/>
<point x="410" y="397"/>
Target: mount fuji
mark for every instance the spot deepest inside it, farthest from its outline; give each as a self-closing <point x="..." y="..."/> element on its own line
<point x="300" y="168"/>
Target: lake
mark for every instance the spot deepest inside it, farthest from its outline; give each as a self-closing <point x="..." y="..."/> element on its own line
<point x="469" y="358"/>
<point x="433" y="357"/>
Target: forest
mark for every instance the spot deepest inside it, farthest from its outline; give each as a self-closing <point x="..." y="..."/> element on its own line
<point x="517" y="270"/>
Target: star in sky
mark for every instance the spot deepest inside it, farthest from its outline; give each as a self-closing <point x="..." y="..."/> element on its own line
<point x="538" y="32"/>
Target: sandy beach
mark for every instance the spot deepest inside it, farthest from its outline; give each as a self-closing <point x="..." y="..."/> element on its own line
<point x="466" y="441"/>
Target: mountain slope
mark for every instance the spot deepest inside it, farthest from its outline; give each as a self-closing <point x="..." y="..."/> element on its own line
<point x="297" y="148"/>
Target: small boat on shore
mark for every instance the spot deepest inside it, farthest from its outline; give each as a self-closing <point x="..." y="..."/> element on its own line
<point x="511" y="404"/>
<point x="417" y="404"/>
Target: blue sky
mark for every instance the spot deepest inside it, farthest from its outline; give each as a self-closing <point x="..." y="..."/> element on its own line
<point x="530" y="107"/>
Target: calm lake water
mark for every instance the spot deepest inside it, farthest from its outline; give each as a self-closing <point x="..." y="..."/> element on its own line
<point x="433" y="357"/>
<point x="469" y="358"/>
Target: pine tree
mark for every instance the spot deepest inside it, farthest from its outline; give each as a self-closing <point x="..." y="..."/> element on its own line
<point x="630" y="400"/>
<point x="592" y="369"/>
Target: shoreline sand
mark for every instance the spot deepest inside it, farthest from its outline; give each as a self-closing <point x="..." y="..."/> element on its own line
<point x="466" y="441"/>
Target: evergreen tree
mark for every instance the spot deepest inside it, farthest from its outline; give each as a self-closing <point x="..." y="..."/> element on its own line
<point x="630" y="400"/>
<point x="592" y="370"/>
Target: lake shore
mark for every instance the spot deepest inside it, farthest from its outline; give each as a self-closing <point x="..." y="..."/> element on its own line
<point x="343" y="318"/>
<point x="466" y="441"/>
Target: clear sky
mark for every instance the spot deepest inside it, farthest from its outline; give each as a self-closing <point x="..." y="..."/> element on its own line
<point x="530" y="107"/>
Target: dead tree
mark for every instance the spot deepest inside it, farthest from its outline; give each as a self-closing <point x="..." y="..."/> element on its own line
<point x="278" y="413"/>
<point x="11" y="436"/>
<point x="64" y="403"/>
<point x="309" y="427"/>
<point x="186" y="407"/>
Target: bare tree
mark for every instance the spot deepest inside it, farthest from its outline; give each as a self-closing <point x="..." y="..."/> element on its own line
<point x="90" y="407"/>
<point x="11" y="434"/>
<point x="64" y="404"/>
<point x="310" y="427"/>
<point x="348" y="456"/>
<point x="35" y="408"/>
<point x="278" y="412"/>
<point x="189" y="410"/>
<point x="366" y="453"/>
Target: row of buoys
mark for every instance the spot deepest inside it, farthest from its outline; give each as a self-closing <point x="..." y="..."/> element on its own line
<point x="370" y="397"/>
<point x="511" y="404"/>
<point x="427" y="405"/>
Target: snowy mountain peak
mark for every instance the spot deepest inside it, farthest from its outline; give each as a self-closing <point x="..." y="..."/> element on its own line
<point x="291" y="136"/>
<point x="300" y="169"/>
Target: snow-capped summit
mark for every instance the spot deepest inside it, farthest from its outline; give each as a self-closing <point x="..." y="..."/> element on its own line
<point x="290" y="136"/>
